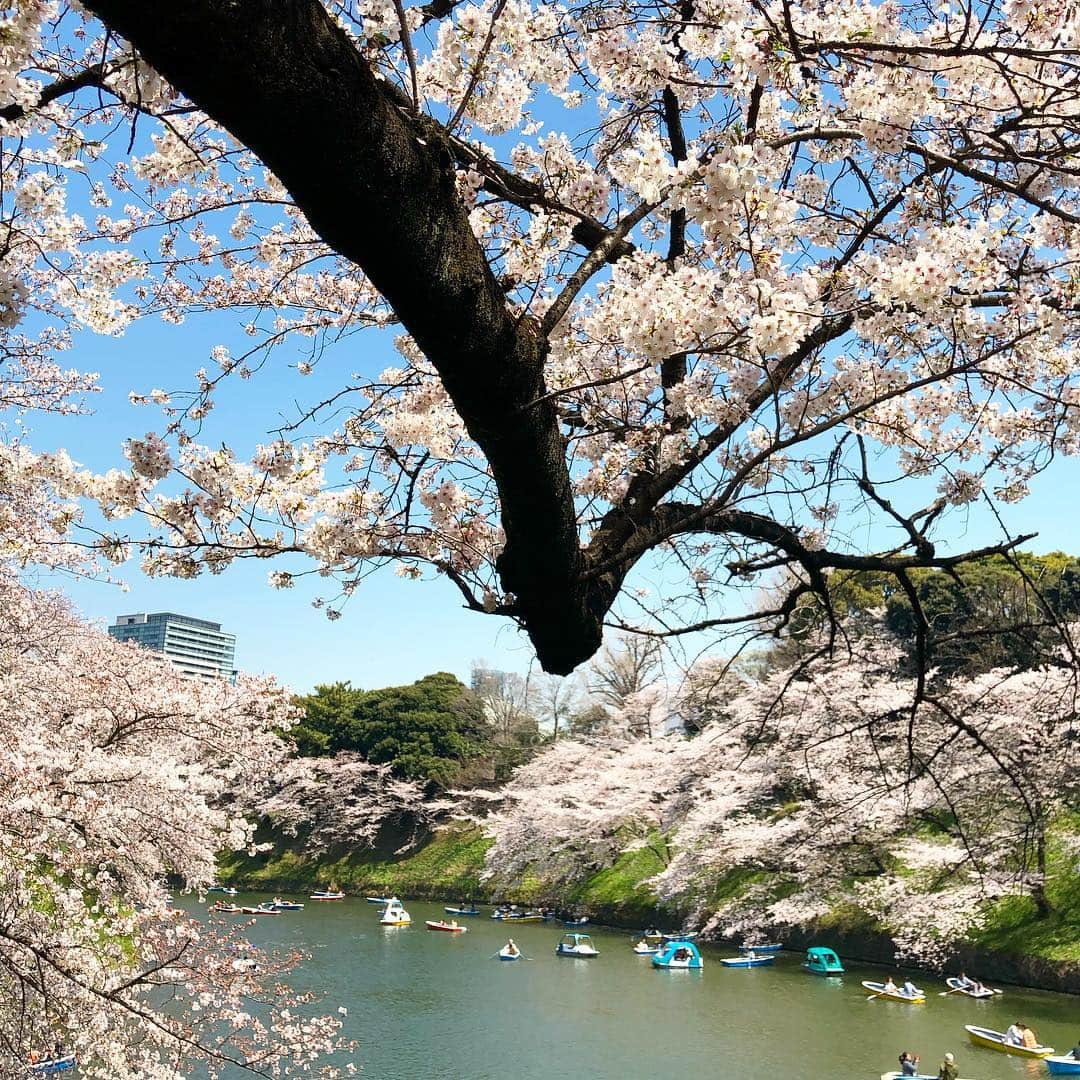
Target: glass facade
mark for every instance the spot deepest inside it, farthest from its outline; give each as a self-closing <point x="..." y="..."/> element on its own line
<point x="197" y="647"/>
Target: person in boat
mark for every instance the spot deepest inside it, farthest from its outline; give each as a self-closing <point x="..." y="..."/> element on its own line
<point x="1014" y="1035"/>
<point x="978" y="988"/>
<point x="1074" y="1053"/>
<point x="948" y="1070"/>
<point x="910" y="989"/>
<point x="889" y="987"/>
<point x="964" y="982"/>
<point x="909" y="1063"/>
<point x="453" y="923"/>
<point x="511" y="948"/>
<point x="1028" y="1036"/>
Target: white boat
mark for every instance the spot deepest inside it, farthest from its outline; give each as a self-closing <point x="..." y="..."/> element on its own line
<point x="286" y="905"/>
<point x="327" y="896"/>
<point x="895" y="994"/>
<point x="970" y="989"/>
<point x="383" y="900"/>
<point x="579" y="945"/>
<point x="508" y="953"/>
<point x="395" y="915"/>
<point x="643" y="948"/>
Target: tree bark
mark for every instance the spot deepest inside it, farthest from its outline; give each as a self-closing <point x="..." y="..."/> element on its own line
<point x="377" y="184"/>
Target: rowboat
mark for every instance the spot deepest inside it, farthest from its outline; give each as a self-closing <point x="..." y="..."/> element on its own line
<point x="225" y="909"/>
<point x="286" y="905"/>
<point x="747" y="961"/>
<point x="505" y="953"/>
<point x="461" y="911"/>
<point x="878" y="989"/>
<point x="643" y="948"/>
<point x="226" y="889"/>
<point x="450" y="928"/>
<point x="395" y="915"/>
<point x="995" y="1040"/>
<point x="383" y="900"/>
<point x="1064" y="1065"/>
<point x="678" y="956"/>
<point x="582" y="921"/>
<point x="957" y="987"/>
<point x="52" y="1065"/>
<point x="772" y="946"/>
<point x="821" y="961"/>
<point x="260" y="909"/>
<point x="919" y="1076"/>
<point x="579" y="945"/>
<point x="327" y="896"/>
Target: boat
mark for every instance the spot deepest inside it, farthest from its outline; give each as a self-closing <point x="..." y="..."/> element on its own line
<point x="462" y="911"/>
<point x="678" y="937"/>
<point x="970" y="990"/>
<point x="383" y="900"/>
<point x="583" y="921"/>
<point x="395" y="915"/>
<point x="678" y="955"/>
<point x="1064" y="1065"/>
<point x="748" y="961"/>
<point x="286" y="905"/>
<point x="226" y="909"/>
<point x="449" y="927"/>
<point x="506" y="954"/>
<point x="526" y="916"/>
<point x="643" y="948"/>
<point x="503" y="912"/>
<point x="995" y="1040"/>
<point x="327" y="895"/>
<point x="772" y="946"/>
<point x="52" y="1065"/>
<point x="821" y="961"/>
<point x="901" y="1076"/>
<point x="260" y="909"/>
<point x="579" y="945"/>
<point x="654" y="937"/>
<point x="226" y="889"/>
<point x="878" y="990"/>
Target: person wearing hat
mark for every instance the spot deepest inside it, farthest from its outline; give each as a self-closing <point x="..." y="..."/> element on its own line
<point x="948" y="1070"/>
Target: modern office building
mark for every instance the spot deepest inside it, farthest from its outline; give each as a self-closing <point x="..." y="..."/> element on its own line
<point x="196" y="646"/>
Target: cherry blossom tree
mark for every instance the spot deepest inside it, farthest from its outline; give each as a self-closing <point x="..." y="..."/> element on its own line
<point x="691" y="281"/>
<point x="114" y="768"/>
<point x="822" y="785"/>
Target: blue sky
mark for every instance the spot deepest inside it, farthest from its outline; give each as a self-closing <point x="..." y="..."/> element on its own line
<point x="392" y="630"/>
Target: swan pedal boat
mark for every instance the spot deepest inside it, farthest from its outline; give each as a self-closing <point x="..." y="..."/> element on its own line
<point x="678" y="956"/>
<point x="995" y="1040"/>
<point x="879" y="988"/>
<point x="395" y="915"/>
<point x="954" y="984"/>
<point x="747" y="961"/>
<point x="579" y="945"/>
<point x="51" y="1066"/>
<point x="438" y="924"/>
<point x="1063" y="1065"/>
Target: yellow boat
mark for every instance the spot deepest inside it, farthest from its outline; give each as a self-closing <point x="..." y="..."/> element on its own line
<point x="995" y="1040"/>
<point x="878" y="990"/>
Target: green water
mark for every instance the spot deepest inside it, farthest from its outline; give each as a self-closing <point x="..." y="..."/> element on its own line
<point x="427" y="1005"/>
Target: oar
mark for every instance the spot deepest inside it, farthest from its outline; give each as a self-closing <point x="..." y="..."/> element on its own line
<point x="954" y="990"/>
<point x="877" y="994"/>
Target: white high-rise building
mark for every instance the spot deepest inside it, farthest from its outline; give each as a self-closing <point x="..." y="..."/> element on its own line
<point x="197" y="647"/>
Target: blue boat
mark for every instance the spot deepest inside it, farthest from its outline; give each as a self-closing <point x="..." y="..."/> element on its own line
<point x="772" y="946"/>
<point x="748" y="961"/>
<point x="821" y="961"/>
<point x="474" y="910"/>
<point x="1063" y="1065"/>
<point x="53" y="1065"/>
<point x="678" y="955"/>
<point x="227" y="889"/>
